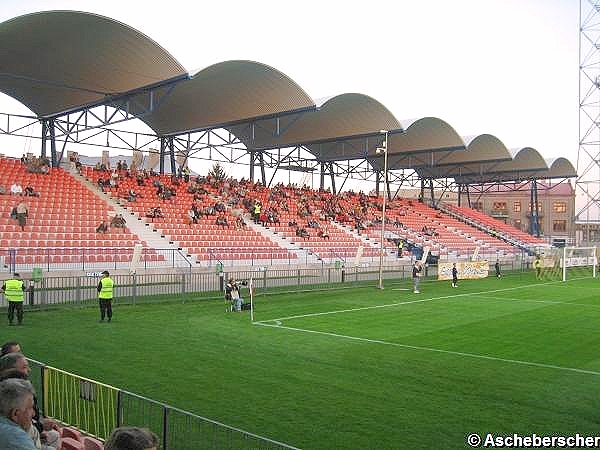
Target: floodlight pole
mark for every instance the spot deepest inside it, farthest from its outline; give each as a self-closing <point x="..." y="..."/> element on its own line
<point x="383" y="149"/>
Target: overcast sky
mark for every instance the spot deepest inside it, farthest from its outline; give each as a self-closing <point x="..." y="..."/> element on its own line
<point x="504" y="67"/>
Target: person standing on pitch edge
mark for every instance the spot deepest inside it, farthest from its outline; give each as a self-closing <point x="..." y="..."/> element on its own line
<point x="454" y="276"/>
<point x="13" y="293"/>
<point x="105" y="296"/>
<point x="537" y="264"/>
<point x="416" y="275"/>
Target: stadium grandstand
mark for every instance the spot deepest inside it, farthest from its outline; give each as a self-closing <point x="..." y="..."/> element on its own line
<point x="146" y="212"/>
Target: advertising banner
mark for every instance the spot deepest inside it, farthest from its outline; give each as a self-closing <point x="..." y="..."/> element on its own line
<point x="469" y="270"/>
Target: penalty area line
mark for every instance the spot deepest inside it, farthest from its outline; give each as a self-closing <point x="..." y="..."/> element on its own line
<point x="435" y="350"/>
<point x="388" y="305"/>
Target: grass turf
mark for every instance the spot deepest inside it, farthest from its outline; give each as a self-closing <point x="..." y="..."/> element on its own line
<point x="353" y="368"/>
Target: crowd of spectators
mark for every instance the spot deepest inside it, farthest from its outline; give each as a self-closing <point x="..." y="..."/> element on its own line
<point x="36" y="164"/>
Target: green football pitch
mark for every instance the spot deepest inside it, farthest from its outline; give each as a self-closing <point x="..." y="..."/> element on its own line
<point x="358" y="368"/>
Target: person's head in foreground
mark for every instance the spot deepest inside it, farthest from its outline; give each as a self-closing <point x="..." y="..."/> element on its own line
<point x="16" y="401"/>
<point x="10" y="347"/>
<point x="131" y="438"/>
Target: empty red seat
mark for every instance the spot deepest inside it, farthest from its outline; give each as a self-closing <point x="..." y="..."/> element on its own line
<point x="69" y="432"/>
<point x="90" y="443"/>
<point x="71" y="444"/>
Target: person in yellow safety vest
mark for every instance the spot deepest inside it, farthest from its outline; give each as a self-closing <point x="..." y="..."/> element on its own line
<point x="105" y="296"/>
<point x="400" y="247"/>
<point x="538" y="268"/>
<point x="257" y="209"/>
<point x="13" y="293"/>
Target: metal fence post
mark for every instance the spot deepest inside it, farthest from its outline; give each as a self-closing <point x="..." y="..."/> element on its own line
<point x="78" y="293"/>
<point x="165" y="445"/>
<point x="119" y="408"/>
<point x="134" y="286"/>
<point x="44" y="291"/>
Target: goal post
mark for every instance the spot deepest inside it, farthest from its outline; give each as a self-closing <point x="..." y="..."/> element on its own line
<point x="578" y="262"/>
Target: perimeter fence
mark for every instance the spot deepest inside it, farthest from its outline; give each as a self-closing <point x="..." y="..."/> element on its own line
<point x="133" y="288"/>
<point x="95" y="409"/>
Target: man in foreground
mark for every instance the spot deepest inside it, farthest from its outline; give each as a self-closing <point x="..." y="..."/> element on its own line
<point x="16" y="412"/>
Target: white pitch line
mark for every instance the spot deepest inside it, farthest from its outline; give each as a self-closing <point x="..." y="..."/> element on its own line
<point x="422" y="300"/>
<point x="437" y="350"/>
<point x="551" y="302"/>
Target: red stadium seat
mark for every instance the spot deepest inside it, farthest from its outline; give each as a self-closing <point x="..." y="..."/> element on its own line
<point x="90" y="443"/>
<point x="71" y="444"/>
<point x="69" y="432"/>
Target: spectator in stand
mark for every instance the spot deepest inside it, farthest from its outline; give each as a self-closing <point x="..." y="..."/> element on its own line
<point x="22" y="212"/>
<point x="301" y="232"/>
<point x="102" y="228"/>
<point x="16" y="361"/>
<point x="196" y="210"/>
<point x="273" y="217"/>
<point x="154" y="213"/>
<point x="29" y="192"/>
<point x="2" y="190"/>
<point x="118" y="221"/>
<point x="192" y="217"/>
<point x="113" y="181"/>
<point x="16" y="189"/>
<point x="239" y="223"/>
<point x="16" y="414"/>
<point x="263" y="219"/>
<point x="131" y="438"/>
<point x="222" y="221"/>
<point x="323" y="233"/>
<point x="132" y="196"/>
<point x="165" y="193"/>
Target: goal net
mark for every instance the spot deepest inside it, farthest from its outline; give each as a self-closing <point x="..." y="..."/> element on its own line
<point x="553" y="264"/>
<point x="578" y="262"/>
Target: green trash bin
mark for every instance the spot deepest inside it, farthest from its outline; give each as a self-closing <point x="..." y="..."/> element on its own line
<point x="36" y="275"/>
<point x="219" y="267"/>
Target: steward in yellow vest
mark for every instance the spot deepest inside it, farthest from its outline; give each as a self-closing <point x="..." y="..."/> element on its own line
<point x="13" y="293"/>
<point x="105" y="296"/>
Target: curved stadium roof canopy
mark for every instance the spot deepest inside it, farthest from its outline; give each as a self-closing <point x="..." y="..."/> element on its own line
<point x="56" y="62"/>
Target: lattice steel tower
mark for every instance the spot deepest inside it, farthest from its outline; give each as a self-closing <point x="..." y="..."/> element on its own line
<point x="588" y="157"/>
